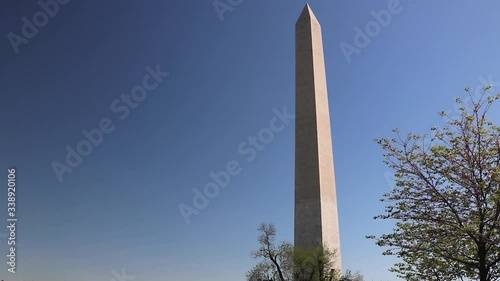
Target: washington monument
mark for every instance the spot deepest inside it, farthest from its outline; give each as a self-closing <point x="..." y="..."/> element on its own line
<point x="316" y="217"/>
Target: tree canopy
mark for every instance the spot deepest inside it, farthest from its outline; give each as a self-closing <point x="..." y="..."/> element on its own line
<point x="446" y="203"/>
<point x="282" y="262"/>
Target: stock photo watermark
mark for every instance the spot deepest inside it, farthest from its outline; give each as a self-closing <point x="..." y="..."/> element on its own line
<point x="223" y="6"/>
<point x="11" y="219"/>
<point x="121" y="107"/>
<point x="122" y="276"/>
<point x="221" y="179"/>
<point x="29" y="29"/>
<point x="363" y="36"/>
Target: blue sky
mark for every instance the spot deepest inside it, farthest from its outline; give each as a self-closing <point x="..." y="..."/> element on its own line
<point x="118" y="208"/>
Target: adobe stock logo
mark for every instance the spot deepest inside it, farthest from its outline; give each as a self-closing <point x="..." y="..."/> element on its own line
<point x="50" y="8"/>
<point x="123" y="276"/>
<point x="122" y="108"/>
<point x="362" y="37"/>
<point x="249" y="148"/>
<point x="221" y="7"/>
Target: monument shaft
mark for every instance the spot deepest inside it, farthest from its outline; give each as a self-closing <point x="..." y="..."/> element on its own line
<point x="316" y="216"/>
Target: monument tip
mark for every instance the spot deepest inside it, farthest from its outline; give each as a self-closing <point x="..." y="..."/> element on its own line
<point x="307" y="12"/>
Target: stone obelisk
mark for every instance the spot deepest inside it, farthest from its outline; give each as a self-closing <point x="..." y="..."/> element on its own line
<point x="316" y="216"/>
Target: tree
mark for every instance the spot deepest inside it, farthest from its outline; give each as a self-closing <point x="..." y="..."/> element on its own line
<point x="349" y="276"/>
<point x="446" y="202"/>
<point x="264" y="270"/>
<point x="314" y="264"/>
<point x="277" y="257"/>
<point x="283" y="262"/>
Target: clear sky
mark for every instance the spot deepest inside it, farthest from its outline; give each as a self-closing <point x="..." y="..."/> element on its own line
<point x="119" y="207"/>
